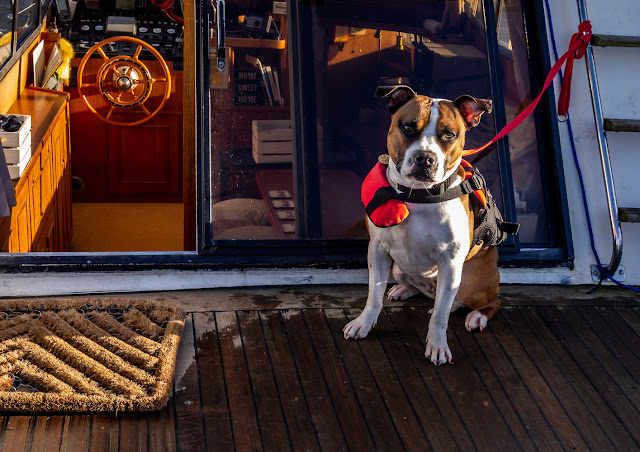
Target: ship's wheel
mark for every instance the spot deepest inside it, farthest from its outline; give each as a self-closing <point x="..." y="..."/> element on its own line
<point x="124" y="82"/>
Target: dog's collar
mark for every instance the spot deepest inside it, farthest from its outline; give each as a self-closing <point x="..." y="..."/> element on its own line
<point x="411" y="194"/>
<point x="416" y="194"/>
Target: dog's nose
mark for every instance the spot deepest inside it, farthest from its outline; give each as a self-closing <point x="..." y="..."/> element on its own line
<point x="425" y="159"/>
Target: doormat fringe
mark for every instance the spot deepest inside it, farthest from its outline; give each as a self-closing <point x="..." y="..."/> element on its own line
<point x="87" y="355"/>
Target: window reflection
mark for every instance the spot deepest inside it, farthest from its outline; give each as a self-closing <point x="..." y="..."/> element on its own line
<point x="523" y="143"/>
<point x="439" y="48"/>
<point x="27" y="15"/>
<point x="6" y="23"/>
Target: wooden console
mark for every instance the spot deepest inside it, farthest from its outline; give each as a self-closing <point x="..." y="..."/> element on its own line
<point x="41" y="220"/>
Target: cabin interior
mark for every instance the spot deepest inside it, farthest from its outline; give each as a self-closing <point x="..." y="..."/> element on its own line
<point x="121" y="171"/>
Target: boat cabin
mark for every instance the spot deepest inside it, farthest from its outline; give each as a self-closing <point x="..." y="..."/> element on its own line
<point x="233" y="136"/>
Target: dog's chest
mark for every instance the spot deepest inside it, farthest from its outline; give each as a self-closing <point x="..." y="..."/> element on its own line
<point x="431" y="234"/>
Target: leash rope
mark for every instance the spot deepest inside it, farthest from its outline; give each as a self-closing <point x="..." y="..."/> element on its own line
<point x="577" y="47"/>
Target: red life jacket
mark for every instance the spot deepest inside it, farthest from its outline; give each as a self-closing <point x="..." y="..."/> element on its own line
<point x="385" y="207"/>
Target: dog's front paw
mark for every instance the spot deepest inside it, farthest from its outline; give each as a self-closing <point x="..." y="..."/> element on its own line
<point x="360" y="327"/>
<point x="438" y="351"/>
<point x="475" y="320"/>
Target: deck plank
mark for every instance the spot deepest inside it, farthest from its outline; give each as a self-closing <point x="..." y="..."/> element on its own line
<point x="292" y="397"/>
<point x="187" y="400"/>
<point x="133" y="432"/>
<point x="383" y="430"/>
<point x="500" y="396"/>
<point x="618" y="338"/>
<point x="411" y="431"/>
<point x="327" y="425"/>
<point x="270" y="414"/>
<point x="105" y="431"/>
<point x="606" y="354"/>
<point x="603" y="414"/>
<point x="428" y="374"/>
<point x="482" y="418"/>
<point x="583" y="418"/>
<point x="161" y="428"/>
<point x="244" y="420"/>
<point x="603" y="382"/>
<point x="47" y="433"/>
<point x="404" y="349"/>
<point x="215" y="406"/>
<point x="76" y="433"/>
<point x="354" y="425"/>
<point x="545" y="395"/>
<point x="18" y="431"/>
<point x="537" y="425"/>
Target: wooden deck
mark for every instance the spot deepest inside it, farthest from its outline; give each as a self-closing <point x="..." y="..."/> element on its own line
<point x="551" y="374"/>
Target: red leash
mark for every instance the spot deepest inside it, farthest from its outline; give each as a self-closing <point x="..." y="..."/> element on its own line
<point x="577" y="48"/>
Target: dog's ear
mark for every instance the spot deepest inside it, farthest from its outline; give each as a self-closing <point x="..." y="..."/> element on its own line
<point x="397" y="96"/>
<point x="471" y="109"/>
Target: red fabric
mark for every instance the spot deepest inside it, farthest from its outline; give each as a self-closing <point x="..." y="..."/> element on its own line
<point x="391" y="212"/>
<point x="467" y="175"/>
<point x="577" y="46"/>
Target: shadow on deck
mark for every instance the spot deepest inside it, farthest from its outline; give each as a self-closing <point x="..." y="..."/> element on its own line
<point x="269" y="369"/>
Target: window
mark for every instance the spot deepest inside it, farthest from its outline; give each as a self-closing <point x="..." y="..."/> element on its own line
<point x="16" y="34"/>
<point x="271" y="182"/>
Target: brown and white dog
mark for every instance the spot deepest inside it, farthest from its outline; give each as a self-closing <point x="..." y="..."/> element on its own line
<point x="431" y="251"/>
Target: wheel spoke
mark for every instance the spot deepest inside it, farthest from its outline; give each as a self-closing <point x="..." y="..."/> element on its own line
<point x="162" y="80"/>
<point x="137" y="53"/>
<point x="145" y="109"/>
<point x="102" y="54"/>
<point x="113" y="107"/>
<point x="90" y="85"/>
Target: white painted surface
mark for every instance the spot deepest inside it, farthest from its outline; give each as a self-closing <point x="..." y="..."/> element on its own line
<point x="54" y="284"/>
<point x="617" y="71"/>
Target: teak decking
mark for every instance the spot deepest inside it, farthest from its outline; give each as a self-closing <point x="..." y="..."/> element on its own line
<point x="545" y="375"/>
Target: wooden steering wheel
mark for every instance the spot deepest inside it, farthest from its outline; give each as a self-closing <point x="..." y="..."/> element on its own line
<point x="125" y="82"/>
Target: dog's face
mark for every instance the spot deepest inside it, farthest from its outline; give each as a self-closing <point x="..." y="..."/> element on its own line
<point x="426" y="136"/>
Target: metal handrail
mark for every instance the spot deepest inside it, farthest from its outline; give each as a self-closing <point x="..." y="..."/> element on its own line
<point x="612" y="203"/>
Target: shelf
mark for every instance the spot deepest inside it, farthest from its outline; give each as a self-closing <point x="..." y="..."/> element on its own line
<point x="248" y="43"/>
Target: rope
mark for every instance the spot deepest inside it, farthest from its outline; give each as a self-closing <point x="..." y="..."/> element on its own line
<point x="577" y="47"/>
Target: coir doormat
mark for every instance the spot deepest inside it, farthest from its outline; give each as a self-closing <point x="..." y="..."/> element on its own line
<point x="87" y="355"/>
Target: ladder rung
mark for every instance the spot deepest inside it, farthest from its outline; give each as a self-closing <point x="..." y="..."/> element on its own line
<point x="615" y="41"/>
<point x="629" y="214"/>
<point x="622" y="125"/>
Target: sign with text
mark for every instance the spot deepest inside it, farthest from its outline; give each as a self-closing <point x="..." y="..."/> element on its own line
<point x="248" y="88"/>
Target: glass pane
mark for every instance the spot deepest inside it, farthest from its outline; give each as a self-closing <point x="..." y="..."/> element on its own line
<point x="6" y="24"/>
<point x="251" y="193"/>
<point x="27" y="16"/>
<point x="531" y="209"/>
<point x="438" y="48"/>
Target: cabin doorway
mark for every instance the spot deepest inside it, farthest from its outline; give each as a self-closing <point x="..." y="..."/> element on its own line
<point x="126" y="128"/>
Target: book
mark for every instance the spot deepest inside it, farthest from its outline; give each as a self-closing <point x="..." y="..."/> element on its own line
<point x="275" y="89"/>
<point x="258" y="64"/>
<point x="55" y="60"/>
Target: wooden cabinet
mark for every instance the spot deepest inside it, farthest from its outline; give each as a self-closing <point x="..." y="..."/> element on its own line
<point x="128" y="164"/>
<point x="41" y="220"/>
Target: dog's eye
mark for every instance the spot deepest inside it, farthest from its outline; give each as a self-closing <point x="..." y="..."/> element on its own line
<point x="449" y="135"/>
<point x="408" y="129"/>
